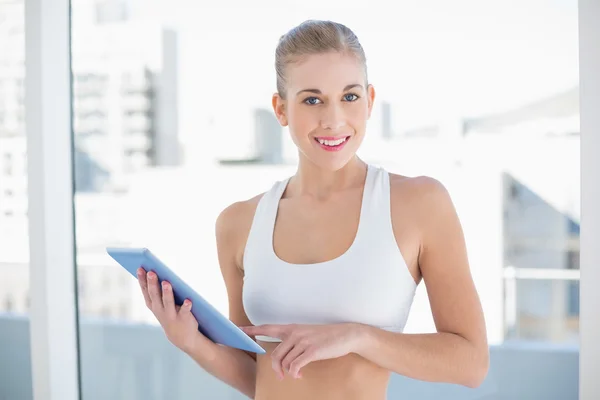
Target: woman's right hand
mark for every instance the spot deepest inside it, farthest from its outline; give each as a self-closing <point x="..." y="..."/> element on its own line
<point x="178" y="323"/>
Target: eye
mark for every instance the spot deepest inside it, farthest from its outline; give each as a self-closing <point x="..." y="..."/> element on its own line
<point x="311" y="101"/>
<point x="350" y="97"/>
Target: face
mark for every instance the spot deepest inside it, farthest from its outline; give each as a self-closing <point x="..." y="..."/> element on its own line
<point x="326" y="108"/>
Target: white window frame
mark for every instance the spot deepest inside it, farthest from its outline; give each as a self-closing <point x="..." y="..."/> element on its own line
<point x="53" y="312"/>
<point x="589" y="78"/>
<point x="53" y="315"/>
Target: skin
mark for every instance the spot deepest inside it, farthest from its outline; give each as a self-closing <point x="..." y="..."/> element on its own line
<point x="322" y="204"/>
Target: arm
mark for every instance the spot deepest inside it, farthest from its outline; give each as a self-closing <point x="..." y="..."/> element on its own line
<point x="232" y="366"/>
<point x="235" y="367"/>
<point x="458" y="352"/>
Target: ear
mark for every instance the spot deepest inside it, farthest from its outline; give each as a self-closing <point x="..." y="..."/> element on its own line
<point x="370" y="98"/>
<point x="280" y="109"/>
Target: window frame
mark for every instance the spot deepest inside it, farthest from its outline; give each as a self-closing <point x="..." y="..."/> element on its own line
<point x="53" y="317"/>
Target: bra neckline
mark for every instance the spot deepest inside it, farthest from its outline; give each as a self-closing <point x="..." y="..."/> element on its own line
<point x="365" y="198"/>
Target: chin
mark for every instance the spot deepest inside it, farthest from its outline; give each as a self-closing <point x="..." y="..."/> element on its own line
<point x="333" y="158"/>
<point x="333" y="162"/>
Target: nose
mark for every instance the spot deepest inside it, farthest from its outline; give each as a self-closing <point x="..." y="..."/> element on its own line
<point x="333" y="117"/>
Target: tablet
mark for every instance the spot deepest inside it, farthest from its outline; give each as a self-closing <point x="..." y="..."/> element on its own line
<point x="211" y="323"/>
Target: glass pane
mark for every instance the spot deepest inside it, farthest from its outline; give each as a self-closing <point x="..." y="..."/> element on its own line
<point x="545" y="310"/>
<point x="173" y="123"/>
<point x="15" y="379"/>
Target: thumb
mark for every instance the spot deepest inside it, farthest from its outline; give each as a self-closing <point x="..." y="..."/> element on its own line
<point x="186" y="306"/>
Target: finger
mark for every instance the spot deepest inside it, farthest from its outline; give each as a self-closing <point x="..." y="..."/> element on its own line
<point x="154" y="291"/>
<point x="302" y="360"/>
<point x="185" y="309"/>
<point x="274" y="331"/>
<point x="278" y="354"/>
<point x="292" y="355"/>
<point x="141" y="274"/>
<point x="167" y="299"/>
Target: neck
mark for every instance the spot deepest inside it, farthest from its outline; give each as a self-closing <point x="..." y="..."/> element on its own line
<point x="311" y="180"/>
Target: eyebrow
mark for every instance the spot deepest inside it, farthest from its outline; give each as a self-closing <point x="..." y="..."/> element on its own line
<point x="317" y="91"/>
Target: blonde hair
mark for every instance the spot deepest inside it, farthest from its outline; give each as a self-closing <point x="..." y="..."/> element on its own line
<point x="314" y="37"/>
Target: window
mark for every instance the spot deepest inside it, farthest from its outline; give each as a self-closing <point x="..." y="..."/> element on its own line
<point x="8" y="305"/>
<point x="15" y="380"/>
<point x="8" y="163"/>
<point x="508" y="104"/>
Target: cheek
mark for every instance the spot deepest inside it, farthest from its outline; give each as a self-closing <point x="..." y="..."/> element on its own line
<point x="302" y="120"/>
<point x="358" y="116"/>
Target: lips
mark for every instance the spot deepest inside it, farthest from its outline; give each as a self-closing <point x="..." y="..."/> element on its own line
<point x="331" y="143"/>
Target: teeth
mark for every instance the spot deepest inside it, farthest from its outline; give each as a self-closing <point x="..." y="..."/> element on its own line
<point x="332" y="143"/>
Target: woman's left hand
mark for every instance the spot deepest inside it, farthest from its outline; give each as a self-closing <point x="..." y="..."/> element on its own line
<point x="302" y="344"/>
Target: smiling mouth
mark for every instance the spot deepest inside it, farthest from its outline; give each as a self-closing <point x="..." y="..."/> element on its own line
<point x="332" y="144"/>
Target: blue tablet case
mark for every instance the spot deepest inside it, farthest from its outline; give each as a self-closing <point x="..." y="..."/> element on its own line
<point x="211" y="323"/>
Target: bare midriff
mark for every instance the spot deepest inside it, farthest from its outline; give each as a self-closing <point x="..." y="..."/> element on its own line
<point x="351" y="377"/>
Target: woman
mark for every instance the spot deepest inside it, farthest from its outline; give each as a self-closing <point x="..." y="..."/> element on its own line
<point x="322" y="268"/>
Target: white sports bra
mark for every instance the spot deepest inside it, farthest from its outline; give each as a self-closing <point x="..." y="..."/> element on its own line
<point x="369" y="284"/>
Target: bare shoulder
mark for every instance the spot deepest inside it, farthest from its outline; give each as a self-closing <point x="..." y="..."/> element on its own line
<point x="421" y="206"/>
<point x="237" y="215"/>
<point x="420" y="193"/>
<point x="233" y="226"/>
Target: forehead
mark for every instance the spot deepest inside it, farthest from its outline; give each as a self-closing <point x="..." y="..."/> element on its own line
<point x="327" y="72"/>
